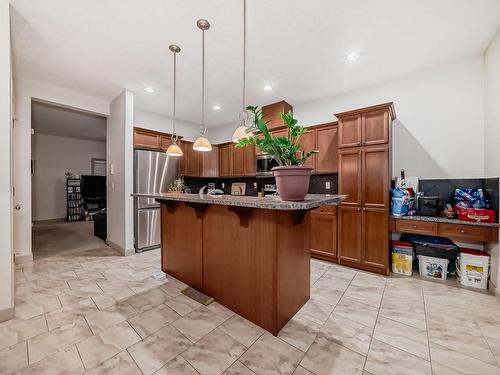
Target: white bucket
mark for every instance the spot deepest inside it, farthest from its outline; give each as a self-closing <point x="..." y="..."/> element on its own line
<point x="433" y="268"/>
<point x="473" y="270"/>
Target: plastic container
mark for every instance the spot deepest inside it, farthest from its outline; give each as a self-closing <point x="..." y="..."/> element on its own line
<point x="473" y="267"/>
<point x="479" y="215"/>
<point x="402" y="257"/>
<point x="433" y="268"/>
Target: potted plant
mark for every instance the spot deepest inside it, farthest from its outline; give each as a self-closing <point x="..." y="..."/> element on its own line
<point x="292" y="177"/>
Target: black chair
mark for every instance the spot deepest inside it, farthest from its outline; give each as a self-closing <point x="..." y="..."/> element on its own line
<point x="100" y="225"/>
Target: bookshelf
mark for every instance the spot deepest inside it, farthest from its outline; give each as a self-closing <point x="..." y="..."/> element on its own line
<point x="74" y="199"/>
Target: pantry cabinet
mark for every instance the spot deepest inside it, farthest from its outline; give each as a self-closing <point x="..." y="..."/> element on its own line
<point x="323" y="233"/>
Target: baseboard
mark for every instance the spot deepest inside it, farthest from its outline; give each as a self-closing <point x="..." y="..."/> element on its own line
<point x="6" y="314"/>
<point x="23" y="258"/>
<point x="121" y="250"/>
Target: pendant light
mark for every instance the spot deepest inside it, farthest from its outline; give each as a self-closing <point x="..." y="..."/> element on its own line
<point x="202" y="143"/>
<point x="174" y="149"/>
<point x="244" y="116"/>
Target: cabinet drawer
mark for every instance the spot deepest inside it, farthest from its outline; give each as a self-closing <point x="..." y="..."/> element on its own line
<point x="330" y="209"/>
<point x="465" y="232"/>
<point x="415" y="226"/>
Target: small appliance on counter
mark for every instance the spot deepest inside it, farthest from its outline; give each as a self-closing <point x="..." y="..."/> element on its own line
<point x="270" y="190"/>
<point x="238" y="188"/>
<point x="428" y="206"/>
<point x="264" y="164"/>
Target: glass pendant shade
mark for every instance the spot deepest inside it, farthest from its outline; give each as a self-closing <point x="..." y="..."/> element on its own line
<point x="239" y="133"/>
<point x="174" y="150"/>
<point x="202" y="144"/>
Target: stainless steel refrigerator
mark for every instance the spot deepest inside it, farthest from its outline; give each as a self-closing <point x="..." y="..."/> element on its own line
<point x="153" y="173"/>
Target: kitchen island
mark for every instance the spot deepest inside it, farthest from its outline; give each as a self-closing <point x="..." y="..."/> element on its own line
<point x="250" y="253"/>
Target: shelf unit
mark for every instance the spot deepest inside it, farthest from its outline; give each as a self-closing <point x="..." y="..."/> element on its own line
<point x="74" y="200"/>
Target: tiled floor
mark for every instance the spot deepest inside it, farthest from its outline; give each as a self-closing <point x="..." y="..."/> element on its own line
<point x="101" y="313"/>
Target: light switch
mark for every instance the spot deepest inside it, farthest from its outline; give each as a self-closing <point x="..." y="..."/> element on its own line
<point x="327" y="185"/>
<point x="223" y="185"/>
<point x="255" y="185"/>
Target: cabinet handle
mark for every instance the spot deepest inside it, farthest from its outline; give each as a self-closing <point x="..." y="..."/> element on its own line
<point x="414" y="226"/>
<point x="462" y="231"/>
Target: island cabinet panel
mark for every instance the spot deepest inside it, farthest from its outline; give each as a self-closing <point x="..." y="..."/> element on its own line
<point x="225" y="160"/>
<point x="265" y="278"/>
<point x="210" y="163"/>
<point x="327" y="146"/>
<point x="185" y="264"/>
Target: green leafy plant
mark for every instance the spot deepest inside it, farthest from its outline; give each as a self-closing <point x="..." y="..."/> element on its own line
<point x="284" y="149"/>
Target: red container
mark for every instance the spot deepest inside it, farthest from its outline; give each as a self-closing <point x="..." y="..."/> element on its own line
<point x="476" y="214"/>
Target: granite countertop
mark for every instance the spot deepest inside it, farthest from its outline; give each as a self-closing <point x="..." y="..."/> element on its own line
<point x="445" y="220"/>
<point x="272" y="203"/>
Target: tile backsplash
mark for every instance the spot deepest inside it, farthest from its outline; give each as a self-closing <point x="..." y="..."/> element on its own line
<point x="317" y="184"/>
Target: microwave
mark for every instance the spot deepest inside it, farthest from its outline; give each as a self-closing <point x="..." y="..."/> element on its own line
<point x="264" y="164"/>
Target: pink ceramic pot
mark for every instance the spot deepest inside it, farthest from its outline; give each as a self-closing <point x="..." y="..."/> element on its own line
<point x="292" y="181"/>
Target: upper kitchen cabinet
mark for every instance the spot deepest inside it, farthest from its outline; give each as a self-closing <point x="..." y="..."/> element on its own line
<point x="327" y="146"/>
<point x="165" y="142"/>
<point x="210" y="163"/>
<point x="366" y="127"/>
<point x="225" y="160"/>
<point x="307" y="143"/>
<point x="271" y="114"/>
<point x="243" y="161"/>
<point x="144" y="138"/>
<point x="190" y="164"/>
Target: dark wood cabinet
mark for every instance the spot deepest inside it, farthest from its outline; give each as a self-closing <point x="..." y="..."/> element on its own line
<point x="225" y="160"/>
<point x="210" y="163"/>
<point x="271" y="113"/>
<point x="327" y="146"/>
<point x="146" y="139"/>
<point x="323" y="233"/>
<point x="192" y="160"/>
<point x="308" y="143"/>
<point x="243" y="161"/>
<point x="365" y="175"/>
<point x="165" y="142"/>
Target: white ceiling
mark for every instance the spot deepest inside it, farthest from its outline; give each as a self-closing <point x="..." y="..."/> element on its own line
<point x="298" y="47"/>
<point x="66" y="122"/>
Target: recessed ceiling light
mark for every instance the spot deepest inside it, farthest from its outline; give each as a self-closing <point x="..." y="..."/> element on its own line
<point x="267" y="88"/>
<point x="149" y="89"/>
<point x="216" y="107"/>
<point x="351" y="56"/>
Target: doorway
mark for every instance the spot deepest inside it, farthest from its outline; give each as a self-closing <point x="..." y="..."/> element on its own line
<point x="68" y="175"/>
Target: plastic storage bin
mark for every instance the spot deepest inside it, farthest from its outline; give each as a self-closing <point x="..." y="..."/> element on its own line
<point x="402" y="257"/>
<point x="433" y="268"/>
<point x="473" y="267"/>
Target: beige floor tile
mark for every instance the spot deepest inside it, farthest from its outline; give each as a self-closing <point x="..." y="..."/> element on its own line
<point x="460" y="362"/>
<point x="147" y="300"/>
<point x="46" y="301"/>
<point x="13" y="358"/>
<point x="98" y="348"/>
<point x="325" y="294"/>
<point x="385" y="359"/>
<point x="177" y="366"/>
<point x="299" y="333"/>
<point x="14" y="331"/>
<point x="173" y="287"/>
<point x="120" y="364"/>
<point x="69" y="314"/>
<point x="242" y="330"/>
<point x="182" y="304"/>
<point x="238" y="368"/>
<point x="24" y="311"/>
<point x="368" y="295"/>
<point x="348" y="333"/>
<point x="66" y="362"/>
<point x="302" y="371"/>
<point x="103" y="301"/>
<point x="158" y="349"/>
<point x="403" y="311"/>
<point x="101" y="320"/>
<point x="356" y="311"/>
<point x="85" y="286"/>
<point x="214" y="353"/>
<point x="152" y="320"/>
<point x="315" y="311"/>
<point x="59" y="338"/>
<point x="198" y="323"/>
<point x="270" y="355"/>
<point x="326" y="357"/>
<point x="438" y="369"/>
<point x="401" y="336"/>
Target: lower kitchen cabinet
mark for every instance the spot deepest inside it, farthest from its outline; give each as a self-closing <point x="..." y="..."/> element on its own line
<point x="364" y="238"/>
<point x="323" y="233"/>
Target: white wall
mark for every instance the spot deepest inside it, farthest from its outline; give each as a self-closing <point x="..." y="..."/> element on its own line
<point x="53" y="157"/>
<point x="161" y="123"/>
<point x="492" y="130"/>
<point x="439" y="130"/>
<point x="24" y="91"/>
<point x="119" y="154"/>
<point x="6" y="255"/>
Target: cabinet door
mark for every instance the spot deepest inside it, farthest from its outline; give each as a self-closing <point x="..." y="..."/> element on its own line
<point x="183" y="159"/>
<point x="193" y="161"/>
<point x="349" y="248"/>
<point x="350" y="131"/>
<point x="146" y="139"/>
<point x="375" y="127"/>
<point x="327" y="158"/>
<point x="307" y="143"/>
<point x="165" y="142"/>
<point x="225" y="160"/>
<point x="323" y="235"/>
<point x="271" y="113"/>
<point x="249" y="163"/>
<point x="350" y="176"/>
<point x="280" y="133"/>
<point x="210" y="163"/>
<point x="376" y="180"/>
<point x="237" y="161"/>
<point x="375" y="247"/>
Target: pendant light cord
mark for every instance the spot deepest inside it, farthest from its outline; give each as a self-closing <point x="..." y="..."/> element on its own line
<point x="244" y="51"/>
<point x="174" y="136"/>
<point x="203" y="128"/>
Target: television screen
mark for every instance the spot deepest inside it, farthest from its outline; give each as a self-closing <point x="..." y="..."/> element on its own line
<point x="93" y="186"/>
